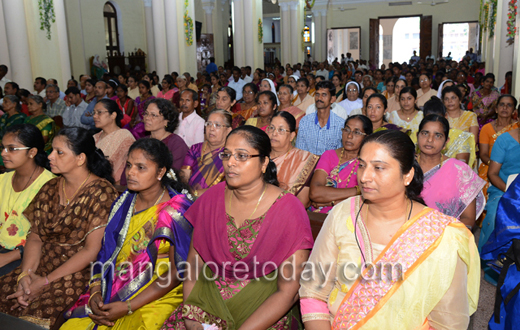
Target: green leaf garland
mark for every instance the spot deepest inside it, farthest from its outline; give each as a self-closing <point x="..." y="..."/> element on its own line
<point x="260" y="31"/>
<point x="511" y="21"/>
<point x="47" y="16"/>
<point x="188" y="25"/>
<point x="493" y="18"/>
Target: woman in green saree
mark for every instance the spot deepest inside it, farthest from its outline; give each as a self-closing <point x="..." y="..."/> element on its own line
<point x="39" y="119"/>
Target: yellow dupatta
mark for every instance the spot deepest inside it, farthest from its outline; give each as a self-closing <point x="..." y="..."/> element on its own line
<point x="424" y="247"/>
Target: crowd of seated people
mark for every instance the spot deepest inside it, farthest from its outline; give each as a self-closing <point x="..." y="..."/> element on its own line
<point x="184" y="203"/>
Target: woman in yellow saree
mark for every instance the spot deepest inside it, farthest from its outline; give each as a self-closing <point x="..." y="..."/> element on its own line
<point x="133" y="285"/>
<point x="419" y="268"/>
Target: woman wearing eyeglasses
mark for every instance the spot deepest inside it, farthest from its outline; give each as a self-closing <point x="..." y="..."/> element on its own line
<point x="202" y="167"/>
<point x="161" y="120"/>
<point x="112" y="140"/>
<point x="335" y="177"/>
<point x="425" y="93"/>
<point x="23" y="154"/>
<point x="294" y="167"/>
<point x="245" y="229"/>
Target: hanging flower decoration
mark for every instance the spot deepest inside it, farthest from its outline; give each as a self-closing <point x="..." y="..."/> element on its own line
<point x="511" y="22"/>
<point x="310" y="3"/>
<point x="260" y="31"/>
<point x="188" y="25"/>
<point x="486" y="16"/>
<point x="493" y="18"/>
<point x="480" y="21"/>
<point x="47" y="16"/>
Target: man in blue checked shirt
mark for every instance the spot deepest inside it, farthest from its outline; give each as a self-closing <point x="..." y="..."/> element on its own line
<point x="321" y="131"/>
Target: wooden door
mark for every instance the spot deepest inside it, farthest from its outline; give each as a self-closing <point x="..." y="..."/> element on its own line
<point x="440" y="40"/>
<point x="205" y="50"/>
<point x="425" y="48"/>
<point x="374" y="41"/>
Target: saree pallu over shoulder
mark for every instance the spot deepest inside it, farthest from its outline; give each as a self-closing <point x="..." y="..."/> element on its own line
<point x="140" y="237"/>
<point x="295" y="169"/>
<point x="452" y="187"/>
<point x="207" y="169"/>
<point x="389" y="297"/>
<point x="276" y="241"/>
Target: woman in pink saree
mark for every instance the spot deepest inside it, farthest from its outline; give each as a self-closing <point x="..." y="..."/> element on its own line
<point x="335" y="177"/>
<point x="450" y="185"/>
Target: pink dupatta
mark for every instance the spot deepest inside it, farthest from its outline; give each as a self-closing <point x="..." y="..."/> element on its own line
<point x="284" y="230"/>
<point x="452" y="187"/>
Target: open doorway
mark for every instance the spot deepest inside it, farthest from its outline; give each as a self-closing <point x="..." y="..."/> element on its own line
<point x="342" y="41"/>
<point x="458" y="38"/>
<point x="401" y="36"/>
<point x="394" y="39"/>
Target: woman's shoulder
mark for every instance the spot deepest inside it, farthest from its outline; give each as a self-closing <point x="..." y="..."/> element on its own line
<point x="458" y="164"/>
<point x="124" y="134"/>
<point x="330" y="154"/>
<point x="304" y="154"/>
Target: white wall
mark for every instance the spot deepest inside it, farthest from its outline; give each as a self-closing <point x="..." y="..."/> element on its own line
<point x="267" y="25"/>
<point x="454" y="11"/>
<point x="87" y="30"/>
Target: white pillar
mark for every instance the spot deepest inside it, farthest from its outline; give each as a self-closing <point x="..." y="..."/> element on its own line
<point x="318" y="35"/>
<point x="515" y="89"/>
<point x="150" y="43"/>
<point x="503" y="60"/>
<point x="4" y="51"/>
<point x="16" y="29"/>
<point x="323" y="36"/>
<point x="172" y="36"/>
<point x="249" y="38"/>
<point x="159" y="37"/>
<point x="63" y="41"/>
<point x="285" y="24"/>
<point x="296" y="33"/>
<point x="238" y="33"/>
<point x="208" y="9"/>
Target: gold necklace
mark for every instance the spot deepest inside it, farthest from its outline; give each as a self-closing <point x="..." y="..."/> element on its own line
<point x="258" y="203"/>
<point x="65" y="193"/>
<point x="156" y="202"/>
<point x="419" y="160"/>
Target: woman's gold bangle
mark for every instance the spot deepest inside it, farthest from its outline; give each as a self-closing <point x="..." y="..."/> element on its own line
<point x="22" y="275"/>
<point x="92" y="295"/>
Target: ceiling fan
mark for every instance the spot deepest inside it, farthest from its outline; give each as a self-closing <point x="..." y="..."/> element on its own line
<point x="433" y="3"/>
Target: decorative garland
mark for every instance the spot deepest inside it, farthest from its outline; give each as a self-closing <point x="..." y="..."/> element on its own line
<point x="188" y="25"/>
<point x="511" y="22"/>
<point x="493" y="18"/>
<point x="260" y="31"/>
<point x="480" y="21"/>
<point x="310" y="3"/>
<point x="47" y="16"/>
<point x="486" y="16"/>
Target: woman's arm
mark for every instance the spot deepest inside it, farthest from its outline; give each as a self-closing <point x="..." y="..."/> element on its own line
<point x="161" y="286"/>
<point x="469" y="215"/>
<point x="484" y="153"/>
<point x="130" y="109"/>
<point x="474" y="130"/>
<point x="320" y="193"/>
<point x="280" y="302"/>
<point x="494" y="178"/>
<point x="32" y="253"/>
<point x="303" y="196"/>
<point x="463" y="157"/>
<point x="82" y="258"/>
<point x="185" y="175"/>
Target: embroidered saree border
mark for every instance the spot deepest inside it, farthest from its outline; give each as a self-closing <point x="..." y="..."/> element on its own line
<point x="391" y="288"/>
